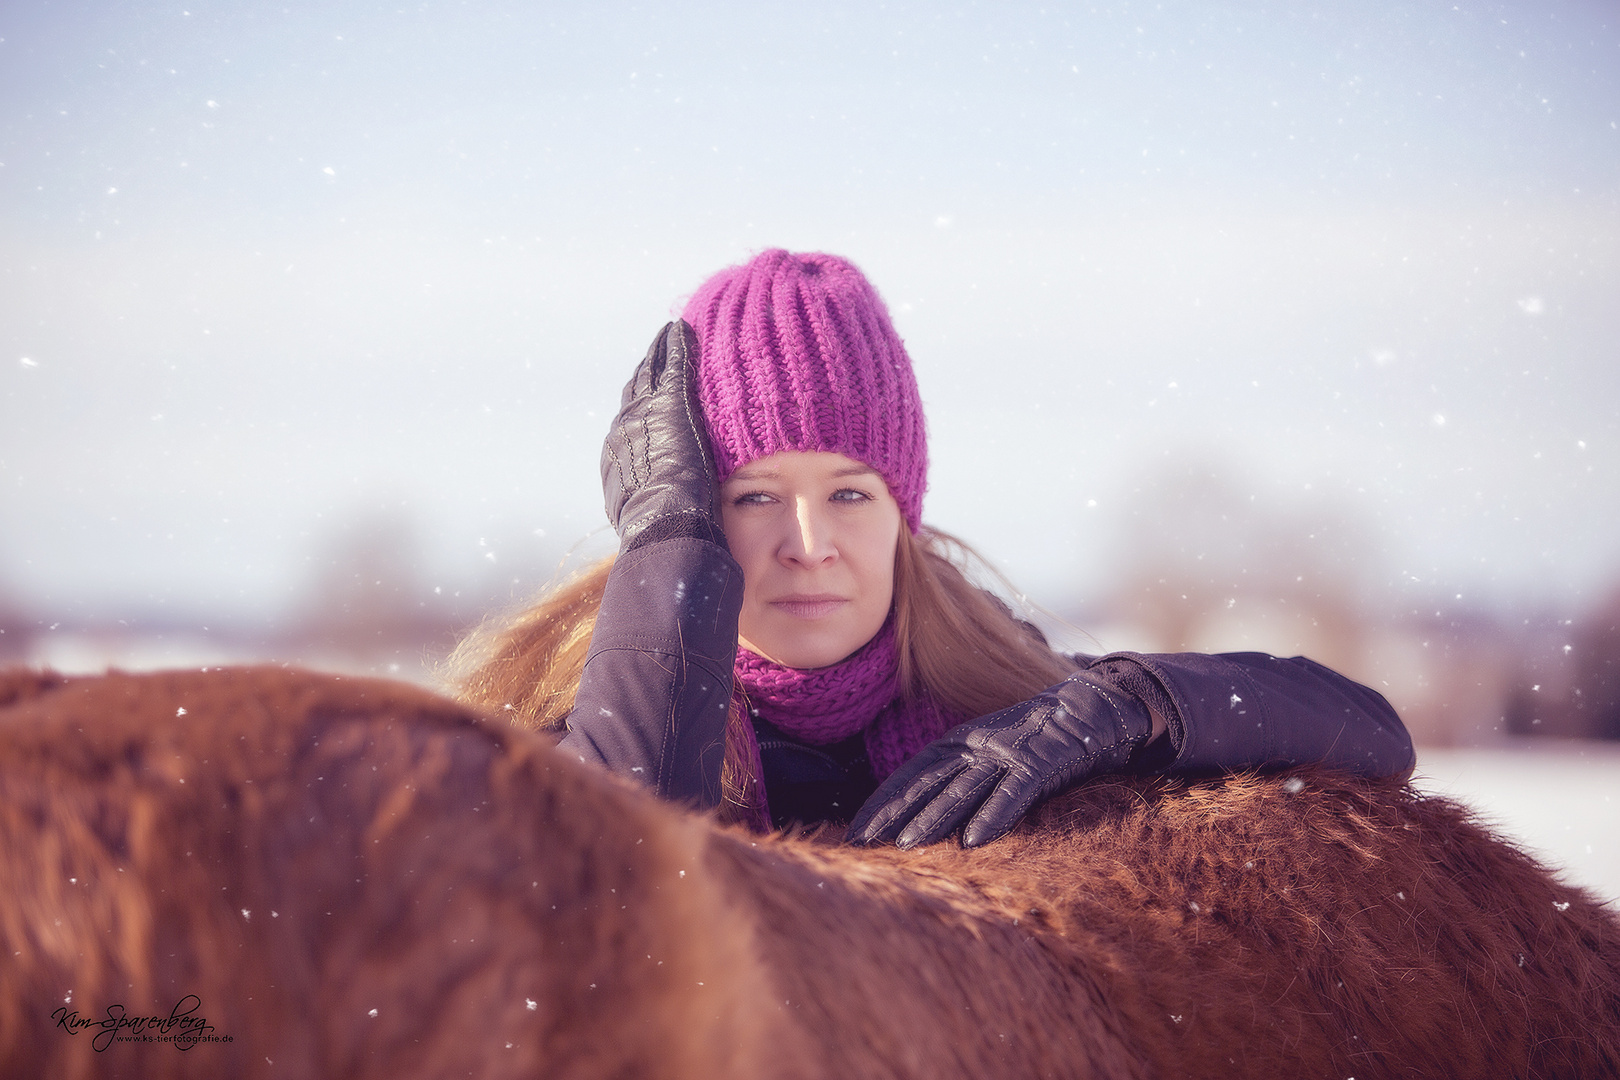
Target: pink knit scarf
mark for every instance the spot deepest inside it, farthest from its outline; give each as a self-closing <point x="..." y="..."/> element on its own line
<point x="858" y="694"/>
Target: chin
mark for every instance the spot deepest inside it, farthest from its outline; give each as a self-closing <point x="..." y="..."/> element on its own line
<point x="821" y="659"/>
<point x="804" y="658"/>
<point x="803" y="650"/>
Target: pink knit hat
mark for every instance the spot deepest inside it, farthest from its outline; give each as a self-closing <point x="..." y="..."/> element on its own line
<point x="796" y="352"/>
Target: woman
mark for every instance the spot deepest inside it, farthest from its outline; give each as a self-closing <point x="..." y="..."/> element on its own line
<point x="765" y="474"/>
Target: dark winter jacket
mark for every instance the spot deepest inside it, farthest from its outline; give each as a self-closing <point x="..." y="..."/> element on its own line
<point x="656" y="689"/>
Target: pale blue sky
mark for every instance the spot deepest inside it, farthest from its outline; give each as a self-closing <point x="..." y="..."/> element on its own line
<point x="265" y="269"/>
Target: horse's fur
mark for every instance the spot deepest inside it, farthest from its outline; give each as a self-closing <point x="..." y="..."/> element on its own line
<point x="299" y="850"/>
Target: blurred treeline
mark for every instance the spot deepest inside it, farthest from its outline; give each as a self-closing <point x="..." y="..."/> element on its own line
<point x="1202" y="564"/>
<point x="1207" y="565"/>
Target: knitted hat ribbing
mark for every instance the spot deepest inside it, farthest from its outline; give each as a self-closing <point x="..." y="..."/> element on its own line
<point x="796" y="352"/>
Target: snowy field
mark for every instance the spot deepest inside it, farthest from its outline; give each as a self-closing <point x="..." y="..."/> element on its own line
<point x="1560" y="801"/>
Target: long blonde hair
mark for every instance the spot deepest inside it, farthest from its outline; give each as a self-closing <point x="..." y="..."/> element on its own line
<point x="956" y="643"/>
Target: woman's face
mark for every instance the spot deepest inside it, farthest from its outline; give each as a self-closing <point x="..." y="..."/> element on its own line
<point x="815" y="534"/>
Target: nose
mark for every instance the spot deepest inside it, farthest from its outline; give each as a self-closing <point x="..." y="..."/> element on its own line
<point x="809" y="542"/>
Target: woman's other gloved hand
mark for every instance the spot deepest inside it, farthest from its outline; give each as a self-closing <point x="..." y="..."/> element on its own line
<point x="658" y="474"/>
<point x="989" y="772"/>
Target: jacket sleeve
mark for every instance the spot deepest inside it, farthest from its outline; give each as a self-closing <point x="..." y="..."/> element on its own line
<point x="656" y="687"/>
<point x="1250" y="710"/>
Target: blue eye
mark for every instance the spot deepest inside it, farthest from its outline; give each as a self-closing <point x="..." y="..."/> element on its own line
<point x="751" y="498"/>
<point x="849" y="495"/>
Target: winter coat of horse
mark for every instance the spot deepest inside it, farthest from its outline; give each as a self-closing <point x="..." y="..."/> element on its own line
<point x="321" y="876"/>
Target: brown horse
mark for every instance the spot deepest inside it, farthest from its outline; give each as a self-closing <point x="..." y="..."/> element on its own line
<point x="264" y="872"/>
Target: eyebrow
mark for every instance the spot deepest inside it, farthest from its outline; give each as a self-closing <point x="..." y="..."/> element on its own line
<point x="749" y="473"/>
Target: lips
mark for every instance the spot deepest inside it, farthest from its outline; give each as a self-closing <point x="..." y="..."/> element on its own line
<point x="808" y="606"/>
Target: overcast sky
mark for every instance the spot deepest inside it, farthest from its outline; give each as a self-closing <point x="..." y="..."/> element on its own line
<point x="271" y="270"/>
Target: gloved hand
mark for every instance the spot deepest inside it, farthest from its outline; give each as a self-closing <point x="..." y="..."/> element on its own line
<point x="989" y="772"/>
<point x="655" y="692"/>
<point x="658" y="475"/>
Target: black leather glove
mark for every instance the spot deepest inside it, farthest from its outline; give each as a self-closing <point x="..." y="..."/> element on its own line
<point x="658" y="475"/>
<point x="989" y="772"/>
